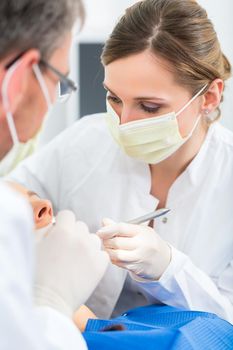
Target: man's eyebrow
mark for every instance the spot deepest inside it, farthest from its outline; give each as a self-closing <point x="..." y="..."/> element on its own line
<point x="31" y="193"/>
<point x="67" y="73"/>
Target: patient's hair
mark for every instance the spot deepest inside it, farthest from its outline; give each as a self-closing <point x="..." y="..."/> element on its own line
<point x="177" y="31"/>
<point x="39" y="24"/>
<point x="115" y="327"/>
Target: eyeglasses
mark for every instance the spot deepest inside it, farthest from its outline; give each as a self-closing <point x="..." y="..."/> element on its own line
<point x="66" y="86"/>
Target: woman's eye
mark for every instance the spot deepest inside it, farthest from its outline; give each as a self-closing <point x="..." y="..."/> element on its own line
<point x="113" y="99"/>
<point x="150" y="107"/>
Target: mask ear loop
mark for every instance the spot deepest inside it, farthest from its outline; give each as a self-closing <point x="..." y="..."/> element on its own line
<point x="6" y="105"/>
<point x="187" y="104"/>
<point x="192" y="99"/>
<point x="42" y="84"/>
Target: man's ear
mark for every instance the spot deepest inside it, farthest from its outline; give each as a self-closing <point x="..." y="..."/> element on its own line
<point x="21" y="78"/>
<point x="212" y="97"/>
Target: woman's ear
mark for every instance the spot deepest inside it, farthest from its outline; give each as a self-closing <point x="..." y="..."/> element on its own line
<point x="20" y="78"/>
<point x="212" y="97"/>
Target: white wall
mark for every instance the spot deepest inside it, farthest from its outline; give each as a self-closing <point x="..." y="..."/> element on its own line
<point x="101" y="18"/>
<point x="102" y="15"/>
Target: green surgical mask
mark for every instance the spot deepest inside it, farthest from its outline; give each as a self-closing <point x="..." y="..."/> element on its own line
<point x="150" y="140"/>
<point x="20" y="150"/>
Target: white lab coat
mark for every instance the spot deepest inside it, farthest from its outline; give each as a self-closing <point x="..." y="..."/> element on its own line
<point x="22" y="325"/>
<point x="84" y="170"/>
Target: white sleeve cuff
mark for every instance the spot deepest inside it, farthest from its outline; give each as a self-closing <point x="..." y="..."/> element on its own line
<point x="178" y="259"/>
<point x="166" y="289"/>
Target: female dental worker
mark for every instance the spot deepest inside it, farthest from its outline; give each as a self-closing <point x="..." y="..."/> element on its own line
<point x="158" y="145"/>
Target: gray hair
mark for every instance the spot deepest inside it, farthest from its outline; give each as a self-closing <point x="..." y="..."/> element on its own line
<point x="39" y="24"/>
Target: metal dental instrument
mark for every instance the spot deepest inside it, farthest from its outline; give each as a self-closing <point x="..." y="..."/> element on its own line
<point x="153" y="215"/>
<point x="148" y="217"/>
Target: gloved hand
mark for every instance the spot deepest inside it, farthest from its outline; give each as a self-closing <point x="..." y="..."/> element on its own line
<point x="69" y="264"/>
<point x="136" y="248"/>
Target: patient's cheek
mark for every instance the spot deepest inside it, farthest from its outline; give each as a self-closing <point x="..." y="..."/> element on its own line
<point x="40" y="233"/>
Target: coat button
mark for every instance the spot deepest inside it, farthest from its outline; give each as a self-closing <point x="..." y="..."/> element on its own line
<point x="125" y="314"/>
<point x="164" y="220"/>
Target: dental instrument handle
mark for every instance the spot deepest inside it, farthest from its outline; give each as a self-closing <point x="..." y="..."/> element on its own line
<point x="148" y="217"/>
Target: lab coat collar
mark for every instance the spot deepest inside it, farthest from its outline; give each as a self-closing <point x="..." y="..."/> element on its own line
<point x="142" y="202"/>
<point x="141" y="176"/>
<point x="198" y="167"/>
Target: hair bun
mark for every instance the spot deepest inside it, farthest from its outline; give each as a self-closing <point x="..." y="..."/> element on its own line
<point x="227" y="69"/>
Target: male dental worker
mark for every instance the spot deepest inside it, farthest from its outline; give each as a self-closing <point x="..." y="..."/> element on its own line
<point x="40" y="286"/>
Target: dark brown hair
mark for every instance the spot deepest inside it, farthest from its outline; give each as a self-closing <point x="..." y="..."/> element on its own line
<point x="114" y="327"/>
<point x="177" y="31"/>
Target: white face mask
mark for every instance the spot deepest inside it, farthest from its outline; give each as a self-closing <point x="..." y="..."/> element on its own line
<point x="151" y="140"/>
<point x="20" y="150"/>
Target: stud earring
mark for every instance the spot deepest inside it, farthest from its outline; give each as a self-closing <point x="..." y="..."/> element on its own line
<point x="206" y="111"/>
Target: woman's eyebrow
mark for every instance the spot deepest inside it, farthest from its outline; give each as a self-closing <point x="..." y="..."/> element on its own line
<point x="106" y="88"/>
<point x="152" y="97"/>
<point x="31" y="193"/>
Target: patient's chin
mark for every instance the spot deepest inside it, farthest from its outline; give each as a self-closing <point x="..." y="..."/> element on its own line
<point x="41" y="232"/>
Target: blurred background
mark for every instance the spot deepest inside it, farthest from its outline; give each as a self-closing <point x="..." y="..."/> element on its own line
<point x="86" y="70"/>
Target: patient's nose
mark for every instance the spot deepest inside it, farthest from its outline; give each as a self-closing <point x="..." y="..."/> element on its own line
<point x="43" y="213"/>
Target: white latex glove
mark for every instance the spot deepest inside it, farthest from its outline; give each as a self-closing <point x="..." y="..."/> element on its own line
<point x="136" y="248"/>
<point x="69" y="264"/>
